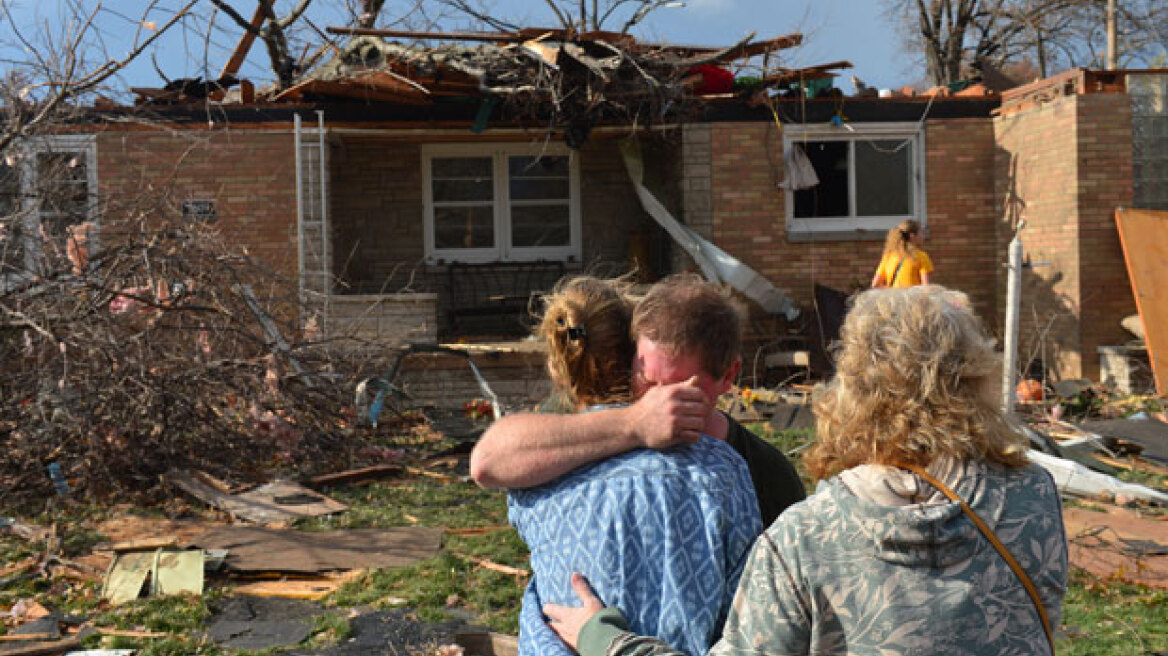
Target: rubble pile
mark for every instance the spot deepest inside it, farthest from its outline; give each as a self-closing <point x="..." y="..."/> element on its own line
<point x="163" y="349"/>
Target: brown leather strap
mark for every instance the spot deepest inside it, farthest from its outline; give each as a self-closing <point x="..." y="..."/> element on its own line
<point x="997" y="544"/>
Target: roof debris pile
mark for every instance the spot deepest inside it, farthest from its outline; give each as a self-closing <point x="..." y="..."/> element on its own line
<point x="572" y="79"/>
<point x="164" y="349"/>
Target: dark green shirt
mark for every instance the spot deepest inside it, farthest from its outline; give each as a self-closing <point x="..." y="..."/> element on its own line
<point x="776" y="482"/>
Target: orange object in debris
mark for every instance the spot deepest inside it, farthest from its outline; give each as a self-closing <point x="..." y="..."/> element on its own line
<point x="1029" y="390"/>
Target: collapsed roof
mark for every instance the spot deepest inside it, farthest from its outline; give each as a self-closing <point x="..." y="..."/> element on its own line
<point x="572" y="79"/>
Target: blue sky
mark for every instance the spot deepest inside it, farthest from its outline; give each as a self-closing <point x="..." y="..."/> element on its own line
<point x="856" y="30"/>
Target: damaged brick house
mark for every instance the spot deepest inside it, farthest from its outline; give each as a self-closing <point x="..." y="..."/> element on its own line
<point x="419" y="197"/>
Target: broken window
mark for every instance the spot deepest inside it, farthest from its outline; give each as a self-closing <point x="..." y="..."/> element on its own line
<point x="47" y="187"/>
<point x="501" y="203"/>
<point x="869" y="180"/>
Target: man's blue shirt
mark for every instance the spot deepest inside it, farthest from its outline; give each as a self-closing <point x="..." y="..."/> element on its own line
<point x="661" y="535"/>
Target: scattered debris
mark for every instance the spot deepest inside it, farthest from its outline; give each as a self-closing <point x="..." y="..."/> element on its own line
<point x="254" y="549"/>
<point x="495" y="567"/>
<point x="1118" y="544"/>
<point x="168" y="572"/>
<point x="275" y="502"/>
<point x="314" y="587"/>
<point x="1073" y="478"/>
<point x="356" y="476"/>
<point x="256" y="623"/>
<point x="1150" y="434"/>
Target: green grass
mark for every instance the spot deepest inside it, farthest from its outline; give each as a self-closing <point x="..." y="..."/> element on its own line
<point x="1111" y="618"/>
<point x="452" y="576"/>
<point x="1101" y="617"/>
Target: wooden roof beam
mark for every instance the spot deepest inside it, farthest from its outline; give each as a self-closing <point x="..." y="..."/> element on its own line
<point x="244" y="46"/>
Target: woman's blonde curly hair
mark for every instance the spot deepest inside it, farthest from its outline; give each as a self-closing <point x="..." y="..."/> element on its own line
<point x="585" y="324"/>
<point x="916" y="378"/>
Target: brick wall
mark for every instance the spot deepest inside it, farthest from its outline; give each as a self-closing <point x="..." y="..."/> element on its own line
<point x="1105" y="182"/>
<point x="376" y="214"/>
<point x="1067" y="164"/>
<point x="748" y="210"/>
<point x="959" y="167"/>
<point x="250" y="176"/>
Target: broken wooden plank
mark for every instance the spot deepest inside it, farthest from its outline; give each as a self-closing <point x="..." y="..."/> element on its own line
<point x="430" y="474"/>
<point x="27" y="637"/>
<point x="741" y="50"/>
<point x="130" y="633"/>
<point x="310" y="587"/>
<point x="46" y="648"/>
<point x="253" y="549"/>
<point x="380" y="86"/>
<point x="235" y="61"/>
<point x="1132" y="464"/>
<point x="1143" y="234"/>
<point x="499" y="37"/>
<point x="493" y="566"/>
<point x="274" y="502"/>
<point x="352" y="476"/>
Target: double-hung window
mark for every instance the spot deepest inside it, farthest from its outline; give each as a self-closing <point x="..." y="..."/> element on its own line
<point x="871" y="177"/>
<point x="48" y="185"/>
<point x="501" y="202"/>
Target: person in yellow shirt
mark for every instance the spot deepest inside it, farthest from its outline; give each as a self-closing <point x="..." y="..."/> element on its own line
<point x="904" y="263"/>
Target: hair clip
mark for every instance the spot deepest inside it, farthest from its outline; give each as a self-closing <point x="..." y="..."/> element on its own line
<point x="577" y="332"/>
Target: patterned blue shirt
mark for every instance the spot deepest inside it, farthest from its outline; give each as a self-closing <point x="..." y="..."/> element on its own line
<point x="663" y="536"/>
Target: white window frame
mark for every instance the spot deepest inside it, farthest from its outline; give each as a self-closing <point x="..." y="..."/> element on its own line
<point x="26" y="156"/>
<point x="503" y="251"/>
<point x="858" y="226"/>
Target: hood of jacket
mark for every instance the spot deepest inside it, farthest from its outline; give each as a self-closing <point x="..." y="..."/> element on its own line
<point x="911" y="523"/>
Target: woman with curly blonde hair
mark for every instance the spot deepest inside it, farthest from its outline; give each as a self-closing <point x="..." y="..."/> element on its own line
<point x="888" y="556"/>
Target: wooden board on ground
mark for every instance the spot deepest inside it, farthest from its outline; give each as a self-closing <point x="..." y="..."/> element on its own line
<point x="1144" y="236"/>
<point x="279" y="501"/>
<point x="308" y="587"/>
<point x="1118" y="544"/>
<point x="255" y="549"/>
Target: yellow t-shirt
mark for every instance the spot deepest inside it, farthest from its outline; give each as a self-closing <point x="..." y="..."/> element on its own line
<point x="910" y="273"/>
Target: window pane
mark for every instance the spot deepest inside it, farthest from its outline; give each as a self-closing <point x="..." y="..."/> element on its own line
<point x="883" y="178"/>
<point x="460" y="167"/>
<point x="539" y="189"/>
<point x="548" y="166"/>
<point x="456" y="190"/>
<point x="63" y="186"/>
<point x="830" y="197"/>
<point x="464" y="227"/>
<point x="540" y="226"/>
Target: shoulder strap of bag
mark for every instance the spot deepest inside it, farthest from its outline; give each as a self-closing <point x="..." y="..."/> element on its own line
<point x="892" y="282"/>
<point x="997" y="544"/>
